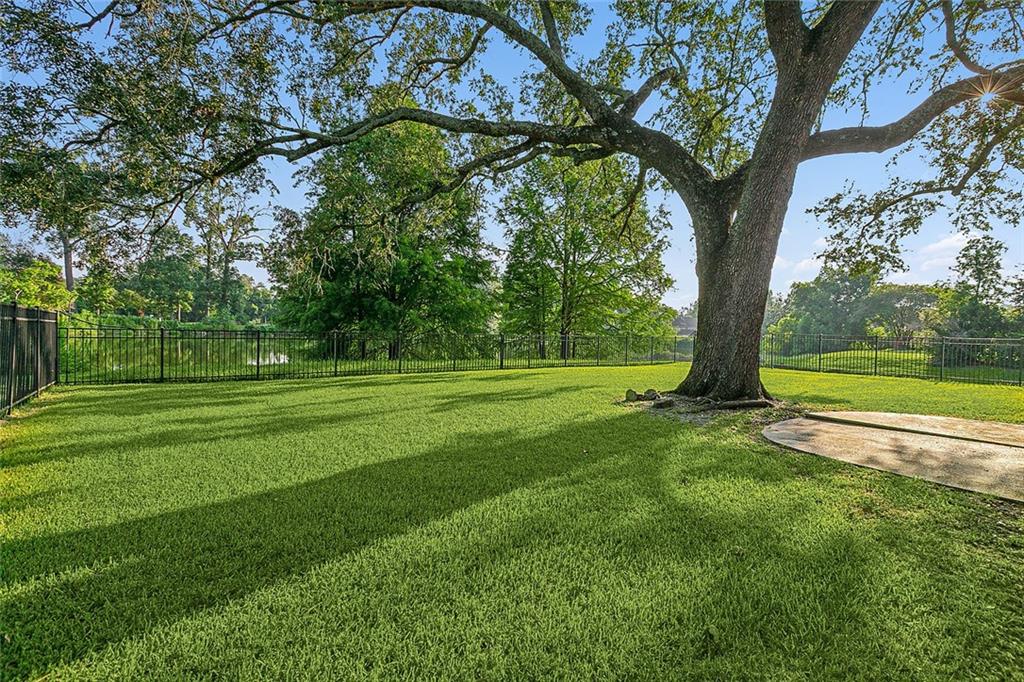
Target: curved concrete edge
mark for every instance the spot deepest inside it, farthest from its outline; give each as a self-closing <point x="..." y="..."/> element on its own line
<point x="995" y="433"/>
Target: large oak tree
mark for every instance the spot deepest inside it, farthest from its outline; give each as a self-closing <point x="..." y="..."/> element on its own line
<point x="721" y="102"/>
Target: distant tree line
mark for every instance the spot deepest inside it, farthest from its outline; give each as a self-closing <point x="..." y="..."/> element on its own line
<point x="357" y="261"/>
<point x="977" y="302"/>
<point x="369" y="255"/>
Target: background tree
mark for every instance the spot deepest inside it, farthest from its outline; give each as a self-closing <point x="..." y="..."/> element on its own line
<point x="30" y="279"/>
<point x="973" y="305"/>
<point x="576" y="263"/>
<point x="774" y="310"/>
<point x="901" y="310"/>
<point x="225" y="224"/>
<point x="187" y="91"/>
<point x="686" y="321"/>
<point x="96" y="291"/>
<point x="164" y="277"/>
<point x="351" y="263"/>
<point x="60" y="196"/>
<point x="979" y="268"/>
<point x="835" y="302"/>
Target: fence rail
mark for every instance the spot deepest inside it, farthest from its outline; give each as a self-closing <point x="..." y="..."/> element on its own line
<point x="28" y="353"/>
<point x="113" y="354"/>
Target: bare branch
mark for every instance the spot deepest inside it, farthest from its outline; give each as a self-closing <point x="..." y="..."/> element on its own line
<point x="551" y="29"/>
<point x="954" y="43"/>
<point x="1006" y="85"/>
<point x="634" y="101"/>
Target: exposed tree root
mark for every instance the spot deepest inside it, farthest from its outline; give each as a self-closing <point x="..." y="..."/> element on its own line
<point x="704" y="405"/>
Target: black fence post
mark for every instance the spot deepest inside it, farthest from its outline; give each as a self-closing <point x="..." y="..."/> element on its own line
<point x="163" y="336"/>
<point x="876" y="356"/>
<point x="39" y="353"/>
<point x="13" y="358"/>
<point x="56" y="348"/>
<point x="259" y="335"/>
<point x="627" y="350"/>
<point x="652" y="350"/>
<point x="501" y="351"/>
<point x="398" y="351"/>
<point x="675" y="348"/>
<point x="598" y="351"/>
<point x="334" y="350"/>
<point x="1020" y="365"/>
<point x="942" y="360"/>
<point x="819" y="352"/>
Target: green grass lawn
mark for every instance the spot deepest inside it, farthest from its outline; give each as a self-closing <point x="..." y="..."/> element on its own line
<point x="489" y="525"/>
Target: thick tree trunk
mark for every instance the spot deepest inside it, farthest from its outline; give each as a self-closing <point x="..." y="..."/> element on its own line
<point x="726" y="357"/>
<point x="737" y="238"/>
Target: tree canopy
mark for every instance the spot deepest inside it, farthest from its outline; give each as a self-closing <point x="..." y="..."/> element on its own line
<point x="350" y="263"/>
<point x="721" y="103"/>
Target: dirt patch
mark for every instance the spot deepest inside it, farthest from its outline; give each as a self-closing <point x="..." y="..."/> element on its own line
<point x="701" y="412"/>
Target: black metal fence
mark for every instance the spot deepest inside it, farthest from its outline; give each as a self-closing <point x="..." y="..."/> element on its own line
<point x="112" y="355"/>
<point x="970" y="360"/>
<point x="28" y="353"/>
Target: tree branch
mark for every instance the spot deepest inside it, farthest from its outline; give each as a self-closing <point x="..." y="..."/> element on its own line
<point x="452" y="63"/>
<point x="584" y="92"/>
<point x="880" y="138"/>
<point x="839" y="30"/>
<point x="787" y="32"/>
<point x="954" y="43"/>
<point x="633" y="102"/>
<point x="551" y="29"/>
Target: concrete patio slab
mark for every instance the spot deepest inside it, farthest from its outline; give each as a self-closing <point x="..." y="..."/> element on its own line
<point x="954" y="427"/>
<point x="940" y="450"/>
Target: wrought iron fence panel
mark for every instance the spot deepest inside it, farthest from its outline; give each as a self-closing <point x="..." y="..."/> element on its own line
<point x="28" y="353"/>
<point x="111" y="355"/>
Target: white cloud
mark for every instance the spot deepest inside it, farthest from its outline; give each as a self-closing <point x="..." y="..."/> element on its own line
<point x="807" y="266"/>
<point x="781" y="263"/>
<point x="941" y="263"/>
<point x="951" y="244"/>
<point x="820" y="243"/>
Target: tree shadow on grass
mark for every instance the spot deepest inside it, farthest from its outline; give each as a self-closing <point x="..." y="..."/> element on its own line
<point x="118" y="581"/>
<point x="133" y="400"/>
<point x="184" y="434"/>
<point x="278" y="420"/>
